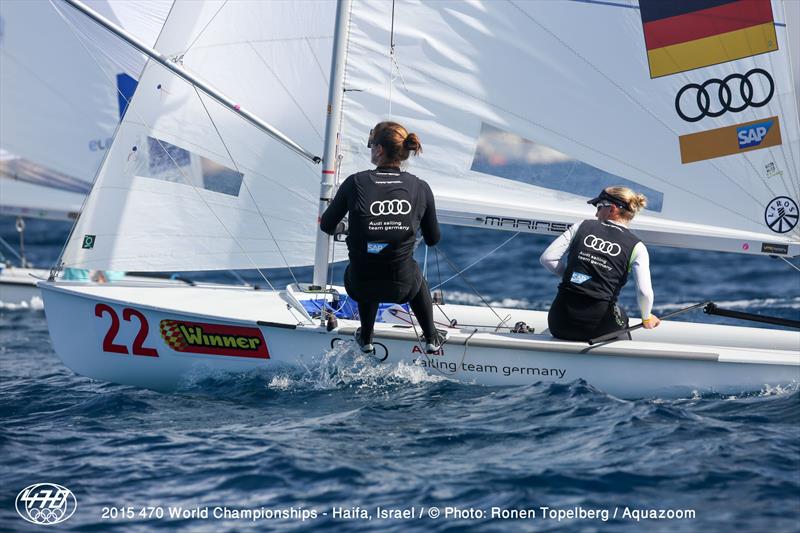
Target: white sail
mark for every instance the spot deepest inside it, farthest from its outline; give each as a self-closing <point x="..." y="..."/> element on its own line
<point x="572" y="78"/>
<point x="203" y="189"/>
<point x="61" y="80"/>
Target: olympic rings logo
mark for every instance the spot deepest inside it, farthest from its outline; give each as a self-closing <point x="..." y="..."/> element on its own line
<point x="724" y="95"/>
<point x="390" y="207"/>
<point x="607" y="247"/>
<point x="46" y="503"/>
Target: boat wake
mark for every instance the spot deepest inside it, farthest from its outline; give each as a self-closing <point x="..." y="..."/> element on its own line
<point x="342" y="367"/>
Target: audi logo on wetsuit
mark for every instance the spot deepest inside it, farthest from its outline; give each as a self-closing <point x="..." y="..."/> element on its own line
<point x="607" y="247"/>
<point x="693" y="111"/>
<point x="390" y="207"/>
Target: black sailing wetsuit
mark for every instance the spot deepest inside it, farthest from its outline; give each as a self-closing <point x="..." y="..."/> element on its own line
<point x="596" y="269"/>
<point x="386" y="208"/>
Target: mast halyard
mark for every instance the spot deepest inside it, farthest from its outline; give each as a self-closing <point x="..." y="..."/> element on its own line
<point x="194" y="80"/>
<point x="335" y="96"/>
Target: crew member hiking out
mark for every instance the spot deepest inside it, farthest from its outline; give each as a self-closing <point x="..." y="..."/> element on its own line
<point x="593" y="259"/>
<point x="386" y="207"/>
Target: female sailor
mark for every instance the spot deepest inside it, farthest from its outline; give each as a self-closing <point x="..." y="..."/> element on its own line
<point x="593" y="259"/>
<point x="386" y="207"/>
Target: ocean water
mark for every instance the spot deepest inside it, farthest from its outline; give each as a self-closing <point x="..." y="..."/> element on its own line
<point x="331" y="447"/>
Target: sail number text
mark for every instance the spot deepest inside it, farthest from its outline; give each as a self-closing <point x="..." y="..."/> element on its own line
<point x="109" y="344"/>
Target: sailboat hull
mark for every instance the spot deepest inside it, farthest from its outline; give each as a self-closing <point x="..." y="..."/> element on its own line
<point x="163" y="339"/>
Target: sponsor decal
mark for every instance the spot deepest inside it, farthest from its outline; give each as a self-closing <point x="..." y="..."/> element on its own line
<point x="681" y="36"/>
<point x="376" y="247"/>
<point x="607" y="247"/>
<point x="579" y="277"/>
<point x="214" y="339"/>
<point x="730" y="140"/>
<point x="126" y="86"/>
<point x="752" y="134"/>
<point x="694" y="102"/>
<point x="46" y="504"/>
<point x="781" y="214"/>
<point x="769" y="248"/>
<point x="390" y="207"/>
<point x="522" y="223"/>
<point x="88" y="242"/>
<point x="417" y="349"/>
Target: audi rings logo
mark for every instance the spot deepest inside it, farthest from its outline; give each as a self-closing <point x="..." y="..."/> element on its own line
<point x="714" y="103"/>
<point x="607" y="247"/>
<point x="46" y="503"/>
<point x="390" y="207"/>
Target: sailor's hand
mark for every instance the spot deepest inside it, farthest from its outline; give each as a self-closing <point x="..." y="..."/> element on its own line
<point x="652" y="322"/>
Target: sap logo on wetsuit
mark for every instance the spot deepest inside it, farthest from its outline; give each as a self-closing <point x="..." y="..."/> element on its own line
<point x="607" y="247"/>
<point x="578" y="278"/>
<point x="753" y="134"/>
<point x="376" y="247"/>
<point x="390" y="207"/>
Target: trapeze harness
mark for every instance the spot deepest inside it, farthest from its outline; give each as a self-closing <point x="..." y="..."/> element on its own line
<point x="596" y="270"/>
<point x="386" y="208"/>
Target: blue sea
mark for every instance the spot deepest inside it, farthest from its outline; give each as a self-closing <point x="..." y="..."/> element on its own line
<point x="352" y="447"/>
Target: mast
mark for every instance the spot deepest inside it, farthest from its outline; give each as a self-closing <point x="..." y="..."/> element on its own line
<point x="194" y="80"/>
<point x="335" y="94"/>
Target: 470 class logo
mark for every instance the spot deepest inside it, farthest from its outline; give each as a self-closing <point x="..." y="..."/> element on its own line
<point x="214" y="339"/>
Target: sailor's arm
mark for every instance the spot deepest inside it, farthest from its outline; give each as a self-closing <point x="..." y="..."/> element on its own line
<point x="337" y="209"/>
<point x="551" y="257"/>
<point x="640" y="268"/>
<point x="429" y="223"/>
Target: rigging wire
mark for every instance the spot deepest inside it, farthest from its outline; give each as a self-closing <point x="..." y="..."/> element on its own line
<point x="10" y="249"/>
<point x="252" y="198"/>
<point x="471" y="286"/>
<point x="179" y="57"/>
<point x="459" y="272"/>
<point x="391" y="62"/>
<point x="789" y="263"/>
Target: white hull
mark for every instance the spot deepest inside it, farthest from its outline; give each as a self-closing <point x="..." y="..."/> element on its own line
<point x="18" y="287"/>
<point x="677" y="359"/>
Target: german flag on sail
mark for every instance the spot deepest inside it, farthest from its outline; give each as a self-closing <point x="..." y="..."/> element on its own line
<point x="682" y="35"/>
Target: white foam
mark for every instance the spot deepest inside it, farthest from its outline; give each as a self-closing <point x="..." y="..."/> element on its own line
<point x="34" y="304"/>
<point x="346" y="366"/>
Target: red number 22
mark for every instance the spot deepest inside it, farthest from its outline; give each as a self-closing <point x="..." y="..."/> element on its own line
<point x="138" y="347"/>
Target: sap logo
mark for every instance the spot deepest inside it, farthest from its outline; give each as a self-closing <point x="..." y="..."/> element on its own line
<point x="99" y="145"/>
<point x="376" y="247"/>
<point x="578" y="278"/>
<point x="753" y="134"/>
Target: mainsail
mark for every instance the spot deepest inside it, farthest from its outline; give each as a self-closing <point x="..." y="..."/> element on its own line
<point x="190" y="185"/>
<point x="573" y="79"/>
<point x="63" y="88"/>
